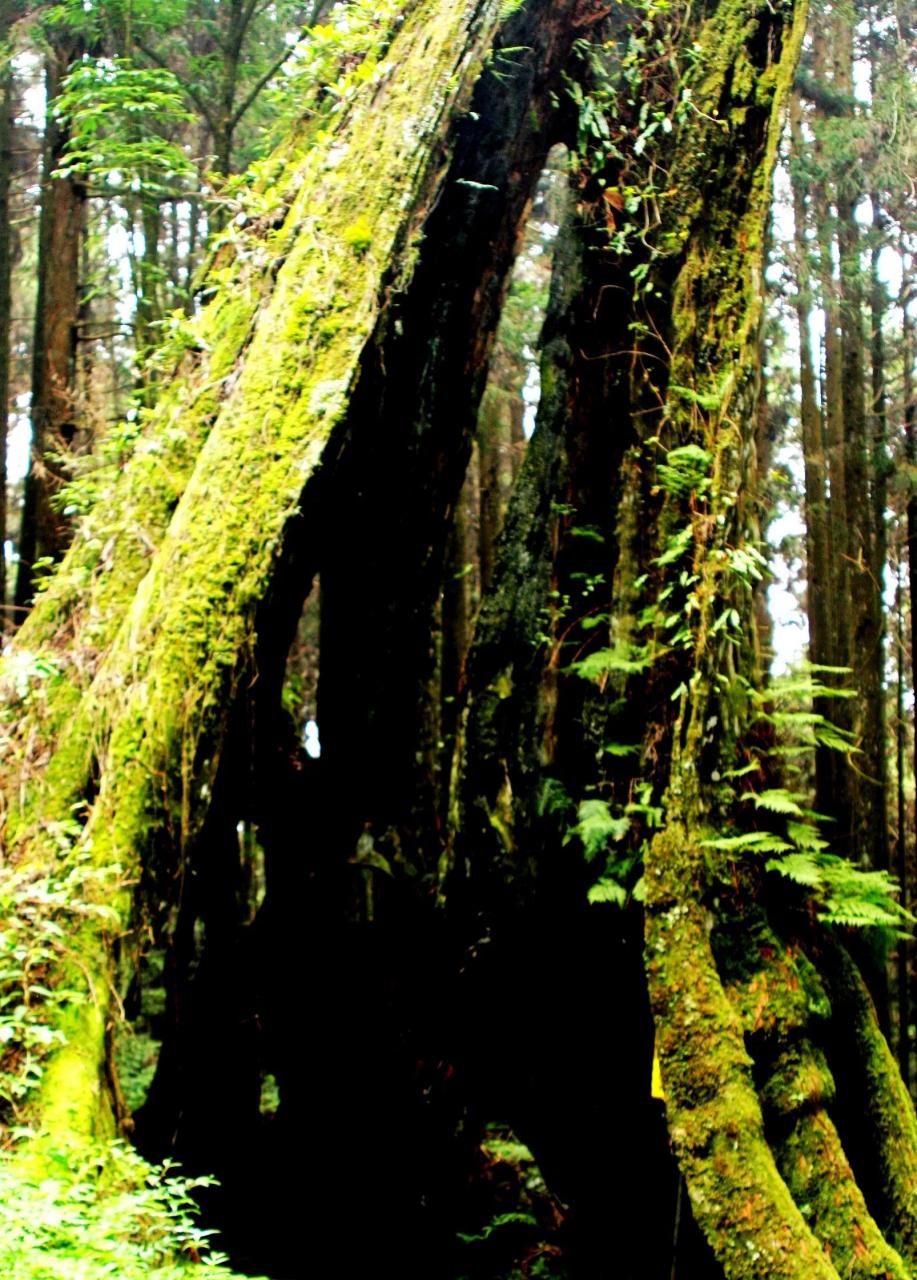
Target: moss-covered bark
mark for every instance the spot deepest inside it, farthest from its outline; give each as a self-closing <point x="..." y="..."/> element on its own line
<point x="738" y="1197"/>
<point x="742" y="1203"/>
<point x="130" y="489"/>
<point x="874" y="1112"/>
<point x="153" y="716"/>
<point x="788" y="1205"/>
<point x="786" y="1013"/>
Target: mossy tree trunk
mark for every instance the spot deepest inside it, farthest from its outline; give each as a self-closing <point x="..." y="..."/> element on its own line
<point x="755" y="1144"/>
<point x="275" y="403"/>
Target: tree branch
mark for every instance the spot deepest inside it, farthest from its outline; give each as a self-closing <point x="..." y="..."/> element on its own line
<point x="196" y="98"/>
<point x="256" y="88"/>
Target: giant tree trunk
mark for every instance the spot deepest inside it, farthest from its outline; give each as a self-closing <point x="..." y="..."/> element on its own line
<point x="189" y="646"/>
<point x="756" y="1168"/>
<point x="321" y="421"/>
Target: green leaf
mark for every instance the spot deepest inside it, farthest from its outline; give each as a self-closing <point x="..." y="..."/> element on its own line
<point x="758" y="841"/>
<point x="677" y="547"/>
<point x="846" y="895"/>
<point x="801" y="868"/>
<point x="753" y="766"/>
<point x="777" y="800"/>
<point x="606" y="890"/>
<point x="587" y="531"/>
<point x="805" y="836"/>
<point x="597" y="828"/>
<point x="621" y="660"/>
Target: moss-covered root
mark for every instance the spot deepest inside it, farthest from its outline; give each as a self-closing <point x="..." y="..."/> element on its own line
<point x="782" y="1004"/>
<point x="875" y="1113"/>
<point x="812" y="1161"/>
<point x="738" y="1197"/>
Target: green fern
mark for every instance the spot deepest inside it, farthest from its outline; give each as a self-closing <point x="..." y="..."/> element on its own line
<point x="777" y="800"/>
<point x="685" y="470"/>
<point x="625" y="660"/>
<point x="596" y="828"/>
<point x="845" y="894"/>
<point x="757" y="841"/>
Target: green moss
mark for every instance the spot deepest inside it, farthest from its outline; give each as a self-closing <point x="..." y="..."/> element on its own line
<point x="821" y="1181"/>
<point x="783" y="1004"/>
<point x="798" y="1080"/>
<point x="74" y="1102"/>
<point x="883" y="1105"/>
<point x="772" y="983"/>
<point x="738" y="1197"/>
<point x="359" y="235"/>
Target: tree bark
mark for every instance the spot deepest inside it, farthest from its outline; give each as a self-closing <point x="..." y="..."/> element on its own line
<point x="818" y="567"/>
<point x="188" y="645"/>
<point x="414" y="415"/>
<point x="834" y="783"/>
<point x="865" y="540"/>
<point x="6" y="170"/>
<point x="44" y="531"/>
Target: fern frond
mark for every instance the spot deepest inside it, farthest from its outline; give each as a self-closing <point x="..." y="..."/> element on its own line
<point x="777" y="800"/>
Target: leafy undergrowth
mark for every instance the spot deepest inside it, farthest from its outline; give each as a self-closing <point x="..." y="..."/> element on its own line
<point x="104" y="1213"/>
<point x="91" y="1212"/>
<point x="518" y="1220"/>
<point x="39" y="916"/>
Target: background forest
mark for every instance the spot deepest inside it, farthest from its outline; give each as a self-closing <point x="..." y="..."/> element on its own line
<point x="150" y="155"/>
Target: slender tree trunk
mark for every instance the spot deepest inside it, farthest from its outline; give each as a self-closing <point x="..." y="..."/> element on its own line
<point x="175" y="274"/>
<point x="818" y="567"/>
<point x="865" y="539"/>
<point x="192" y="260"/>
<point x="834" y="780"/>
<point x="880" y="463"/>
<point x="44" y="531"/>
<point x="150" y="308"/>
<point x="6" y="168"/>
<point x="902" y="869"/>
